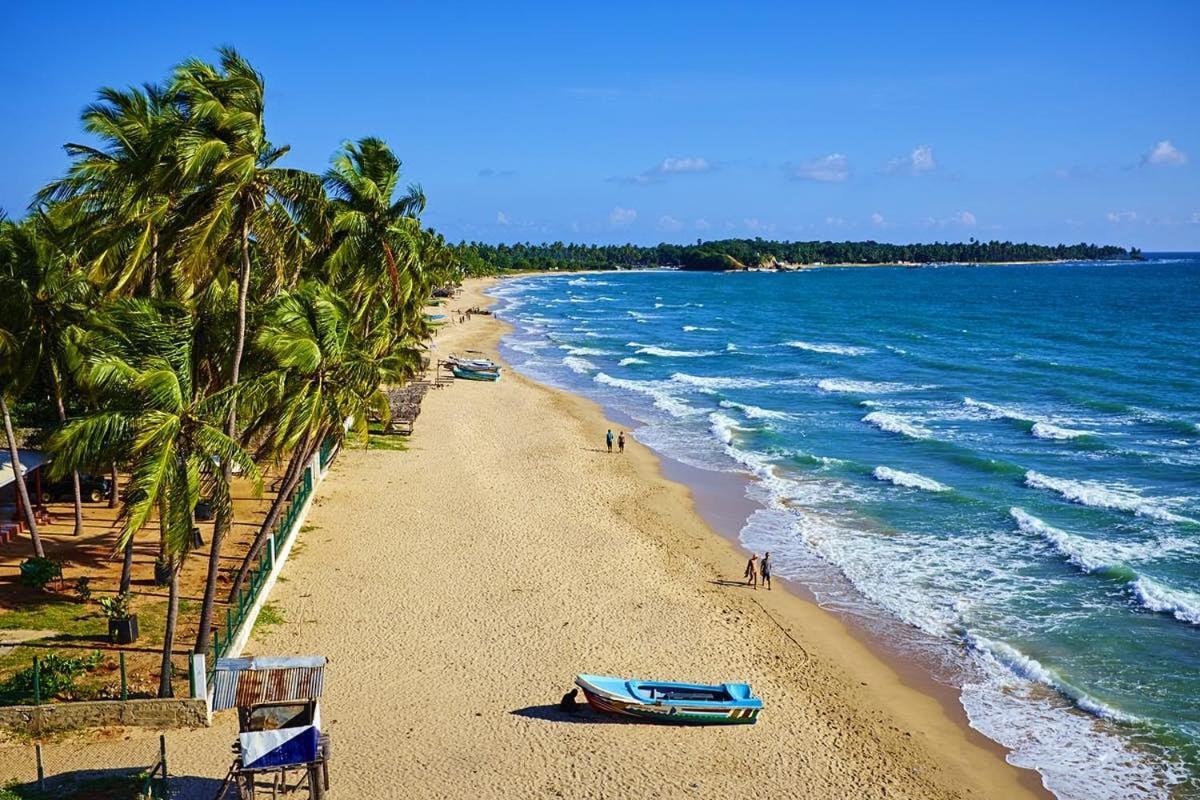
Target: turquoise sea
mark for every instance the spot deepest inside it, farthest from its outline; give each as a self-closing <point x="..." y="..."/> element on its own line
<point x="998" y="467"/>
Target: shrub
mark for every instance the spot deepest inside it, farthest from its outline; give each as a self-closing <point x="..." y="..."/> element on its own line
<point x="38" y="572"/>
<point x="83" y="588"/>
<point x="57" y="677"/>
<point x="116" y="607"/>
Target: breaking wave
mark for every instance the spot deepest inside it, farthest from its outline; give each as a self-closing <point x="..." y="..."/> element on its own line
<point x="910" y="480"/>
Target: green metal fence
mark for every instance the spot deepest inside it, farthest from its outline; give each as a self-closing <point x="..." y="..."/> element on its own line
<point x="327" y="448"/>
<point x="236" y="612"/>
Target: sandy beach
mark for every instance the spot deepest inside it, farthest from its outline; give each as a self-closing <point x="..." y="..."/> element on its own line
<point x="458" y="587"/>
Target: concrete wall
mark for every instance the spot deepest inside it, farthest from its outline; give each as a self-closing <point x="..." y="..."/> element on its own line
<point x="152" y="713"/>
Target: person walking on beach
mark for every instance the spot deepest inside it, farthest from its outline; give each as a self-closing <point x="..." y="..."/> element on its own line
<point x="608" y="439"/>
<point x="621" y="442"/>
<point x="764" y="570"/>
<point x="752" y="571"/>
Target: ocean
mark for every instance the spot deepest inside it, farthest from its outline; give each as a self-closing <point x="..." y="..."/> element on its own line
<point x="996" y="467"/>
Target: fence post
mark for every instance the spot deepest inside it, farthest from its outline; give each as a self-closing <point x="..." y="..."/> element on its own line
<point x="124" y="680"/>
<point x="199" y="675"/>
<point x="271" y="552"/>
<point x="162" y="752"/>
<point x="41" y="771"/>
<point x="37" y="683"/>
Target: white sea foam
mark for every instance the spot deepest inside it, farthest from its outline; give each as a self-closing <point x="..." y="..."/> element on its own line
<point x="895" y="423"/>
<point x="663" y="352"/>
<point x="910" y="480"/>
<point x="584" y="351"/>
<point x="864" y="387"/>
<point x="625" y="362"/>
<point x="1098" y="495"/>
<point x="1087" y="554"/>
<point x="723" y="427"/>
<point x="755" y="412"/>
<point x="834" y="349"/>
<point x="1184" y="605"/>
<point x="579" y="365"/>
<point x="1044" y="430"/>
<point x="656" y="390"/>
<point x="1031" y="669"/>
<point x="690" y="328"/>
<point x="703" y="382"/>
<point x="638" y="315"/>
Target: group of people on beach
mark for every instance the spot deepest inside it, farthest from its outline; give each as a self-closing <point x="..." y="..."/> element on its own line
<point x="758" y="570"/>
<point x="608" y="440"/>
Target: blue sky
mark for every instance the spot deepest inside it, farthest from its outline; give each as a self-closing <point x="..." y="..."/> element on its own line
<point x="641" y="122"/>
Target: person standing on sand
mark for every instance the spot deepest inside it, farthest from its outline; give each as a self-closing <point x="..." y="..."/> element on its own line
<point x="608" y="440"/>
<point x="764" y="570"/>
<point x="621" y="442"/>
<point x="751" y="574"/>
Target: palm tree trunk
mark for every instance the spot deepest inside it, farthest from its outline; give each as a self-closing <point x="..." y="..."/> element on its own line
<point x="224" y="518"/>
<point x="127" y="567"/>
<point x="115" y="490"/>
<point x="165" y="689"/>
<point x="152" y="278"/>
<point x="222" y="523"/>
<point x="291" y="479"/>
<point x="62" y="417"/>
<point x="22" y="489"/>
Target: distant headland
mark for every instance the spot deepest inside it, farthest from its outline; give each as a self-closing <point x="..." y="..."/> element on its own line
<point x="728" y="255"/>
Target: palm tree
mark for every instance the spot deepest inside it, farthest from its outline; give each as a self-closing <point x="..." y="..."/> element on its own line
<point x="324" y="374"/>
<point x="145" y="355"/>
<point x="126" y="189"/>
<point x="374" y="231"/>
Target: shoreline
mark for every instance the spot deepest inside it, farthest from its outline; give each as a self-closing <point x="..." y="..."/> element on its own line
<point x="800" y="607"/>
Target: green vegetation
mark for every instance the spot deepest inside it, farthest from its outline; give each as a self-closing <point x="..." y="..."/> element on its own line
<point x="56" y="675"/>
<point x="269" y="616"/>
<point x="184" y="303"/>
<point x="36" y="573"/>
<point x="731" y="254"/>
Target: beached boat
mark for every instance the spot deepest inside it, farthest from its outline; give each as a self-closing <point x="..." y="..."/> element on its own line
<point x="475" y="375"/>
<point x="665" y="701"/>
<point x="476" y="364"/>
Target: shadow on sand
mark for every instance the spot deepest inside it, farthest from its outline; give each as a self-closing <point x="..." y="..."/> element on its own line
<point x="585" y="715"/>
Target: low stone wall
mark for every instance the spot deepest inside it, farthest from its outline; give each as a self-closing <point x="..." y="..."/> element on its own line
<point x="59" y="717"/>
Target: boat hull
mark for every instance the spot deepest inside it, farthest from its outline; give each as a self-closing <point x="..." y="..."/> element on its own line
<point x="472" y="375"/>
<point x="678" y="712"/>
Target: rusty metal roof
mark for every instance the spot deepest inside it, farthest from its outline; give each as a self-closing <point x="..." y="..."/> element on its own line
<point x="241" y="682"/>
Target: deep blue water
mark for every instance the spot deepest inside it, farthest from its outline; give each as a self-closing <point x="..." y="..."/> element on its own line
<point x="1006" y="459"/>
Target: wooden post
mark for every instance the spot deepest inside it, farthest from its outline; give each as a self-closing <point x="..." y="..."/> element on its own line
<point x="162" y="758"/>
<point x="41" y="770"/>
<point x="124" y="681"/>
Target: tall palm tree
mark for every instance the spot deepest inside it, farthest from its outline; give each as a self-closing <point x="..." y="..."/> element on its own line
<point x="374" y="228"/>
<point x="125" y="190"/>
<point x="146" y="353"/>
<point x="225" y="153"/>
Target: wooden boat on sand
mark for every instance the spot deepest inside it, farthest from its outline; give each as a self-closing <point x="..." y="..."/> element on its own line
<point x="677" y="703"/>
<point x="475" y="375"/>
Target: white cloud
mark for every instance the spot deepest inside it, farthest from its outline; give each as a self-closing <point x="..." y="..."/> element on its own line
<point x="666" y="168"/>
<point x="1164" y="154"/>
<point x="1195" y="218"/>
<point x="501" y="218"/>
<point x="964" y="218"/>
<point x="1121" y="216"/>
<point x="756" y="224"/>
<point x="701" y="224"/>
<point x="835" y="221"/>
<point x="670" y="165"/>
<point x="919" y="162"/>
<point x="622" y="216"/>
<point x="833" y="168"/>
<point x="877" y="219"/>
<point x="668" y="223"/>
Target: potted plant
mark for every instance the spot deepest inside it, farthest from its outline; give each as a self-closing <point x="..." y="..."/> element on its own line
<point x="122" y="626"/>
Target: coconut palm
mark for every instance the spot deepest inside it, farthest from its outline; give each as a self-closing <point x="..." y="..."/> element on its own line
<point x="125" y="190"/>
<point x="325" y="373"/>
<point x="374" y="229"/>
<point x="144" y="354"/>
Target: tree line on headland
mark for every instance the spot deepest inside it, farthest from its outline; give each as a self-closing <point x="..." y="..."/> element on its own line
<point x="179" y="306"/>
<point x="737" y="254"/>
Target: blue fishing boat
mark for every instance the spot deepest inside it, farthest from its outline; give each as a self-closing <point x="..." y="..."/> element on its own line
<point x="475" y="375"/>
<point x="665" y="701"/>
